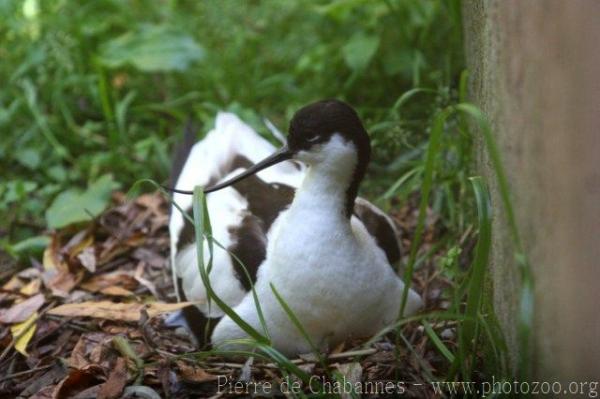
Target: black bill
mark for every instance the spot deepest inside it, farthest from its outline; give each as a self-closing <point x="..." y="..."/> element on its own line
<point x="281" y="155"/>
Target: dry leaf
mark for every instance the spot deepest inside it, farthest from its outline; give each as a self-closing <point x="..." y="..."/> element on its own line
<point x="92" y="348"/>
<point x="339" y="348"/>
<point x="80" y="242"/>
<point x="87" y="257"/>
<point x="14" y="284"/>
<point x="116" y="291"/>
<point x="116" y="311"/>
<point x="117" y="379"/>
<point x="37" y="387"/>
<point x="22" y="310"/>
<point x="100" y="282"/>
<point x="139" y="276"/>
<point x="63" y="282"/>
<point x="29" y="273"/>
<point x="152" y="202"/>
<point x="52" y="259"/>
<point x="32" y="287"/>
<point x="150" y="257"/>
<point x="88" y="393"/>
<point x="194" y="374"/>
<point x="23" y="332"/>
<point x="44" y="393"/>
<point x="112" y="249"/>
<point x="77" y="381"/>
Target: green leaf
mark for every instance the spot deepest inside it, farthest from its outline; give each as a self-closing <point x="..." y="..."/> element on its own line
<point x="359" y="51"/>
<point x="36" y="243"/>
<point x="29" y="158"/>
<point x="17" y="190"/>
<point x="339" y="9"/>
<point x="152" y="48"/>
<point x="74" y="206"/>
<point x="57" y="173"/>
<point x="398" y="61"/>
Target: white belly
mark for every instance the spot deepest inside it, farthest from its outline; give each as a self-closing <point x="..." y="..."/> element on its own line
<point x="337" y="282"/>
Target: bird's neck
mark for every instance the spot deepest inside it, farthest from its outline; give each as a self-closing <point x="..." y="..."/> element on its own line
<point x="328" y="188"/>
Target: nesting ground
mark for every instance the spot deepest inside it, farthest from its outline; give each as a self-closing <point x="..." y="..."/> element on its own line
<point x="97" y="300"/>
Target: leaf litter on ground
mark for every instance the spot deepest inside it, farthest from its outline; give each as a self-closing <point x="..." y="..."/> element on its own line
<point x="96" y="301"/>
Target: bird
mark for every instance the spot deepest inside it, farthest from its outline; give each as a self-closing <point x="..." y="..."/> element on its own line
<point x="292" y="218"/>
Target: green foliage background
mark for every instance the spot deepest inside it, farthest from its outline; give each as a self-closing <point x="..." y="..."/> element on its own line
<point x="102" y="88"/>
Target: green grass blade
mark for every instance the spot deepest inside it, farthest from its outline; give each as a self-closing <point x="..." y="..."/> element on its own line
<point x="468" y="331"/>
<point x="437" y="342"/>
<point x="261" y="316"/>
<point x="431" y="315"/>
<point x="526" y="300"/>
<point x="497" y="344"/>
<point x="405" y="97"/>
<point x="403" y="179"/>
<point x="424" y="366"/>
<point x="42" y="122"/>
<point x="201" y="221"/>
<point x="432" y="151"/>
<point x="294" y="319"/>
<point x="284" y="362"/>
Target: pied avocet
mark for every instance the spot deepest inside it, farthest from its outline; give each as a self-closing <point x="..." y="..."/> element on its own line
<point x="292" y="216"/>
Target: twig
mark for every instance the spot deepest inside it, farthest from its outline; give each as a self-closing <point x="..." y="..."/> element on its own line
<point x="168" y="354"/>
<point x="22" y="373"/>
<point x="220" y="365"/>
<point x="73" y="324"/>
<point x="359" y="352"/>
<point x="335" y="356"/>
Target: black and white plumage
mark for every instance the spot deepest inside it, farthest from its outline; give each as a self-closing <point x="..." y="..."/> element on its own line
<point x="293" y="218"/>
